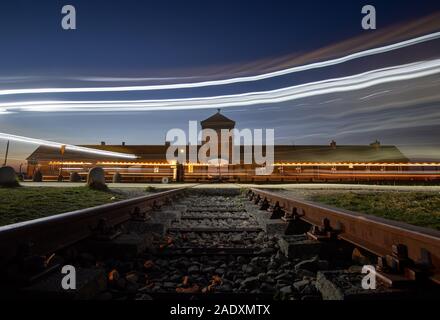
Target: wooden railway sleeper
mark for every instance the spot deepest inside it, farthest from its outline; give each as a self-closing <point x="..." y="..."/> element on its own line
<point x="156" y="205"/>
<point x="168" y="201"/>
<point x="264" y="204"/>
<point x="398" y="270"/>
<point x="104" y="231"/>
<point x="139" y="215"/>
<point x="28" y="267"/>
<point x="277" y="211"/>
<point x="293" y="214"/>
<point x="295" y="225"/>
<point x="324" y="232"/>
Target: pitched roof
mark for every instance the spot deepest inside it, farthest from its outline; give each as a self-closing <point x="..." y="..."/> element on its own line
<point x="217" y="121"/>
<point x="342" y="153"/>
<point x="283" y="153"/>
<point x="151" y="152"/>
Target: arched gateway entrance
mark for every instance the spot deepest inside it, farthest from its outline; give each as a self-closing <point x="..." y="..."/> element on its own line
<point x="293" y="163"/>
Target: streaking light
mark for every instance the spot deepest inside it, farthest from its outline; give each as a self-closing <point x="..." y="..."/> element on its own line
<point x="6" y="136"/>
<point x="336" y="85"/>
<point x="357" y="55"/>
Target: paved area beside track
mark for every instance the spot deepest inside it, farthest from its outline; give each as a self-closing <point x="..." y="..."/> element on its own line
<point x="298" y="186"/>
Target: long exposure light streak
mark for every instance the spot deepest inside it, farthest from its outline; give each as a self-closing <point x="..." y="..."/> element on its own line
<point x="6" y="136"/>
<point x="336" y="85"/>
<point x="357" y="55"/>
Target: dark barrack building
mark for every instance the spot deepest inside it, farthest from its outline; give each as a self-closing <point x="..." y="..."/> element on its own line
<point x="299" y="163"/>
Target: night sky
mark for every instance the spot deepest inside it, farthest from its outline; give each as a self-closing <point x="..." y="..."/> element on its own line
<point x="158" y="42"/>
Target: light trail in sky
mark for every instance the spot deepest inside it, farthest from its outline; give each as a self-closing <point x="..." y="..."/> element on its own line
<point x="6" y="136"/>
<point x="375" y="94"/>
<point x="357" y="55"/>
<point x="336" y="85"/>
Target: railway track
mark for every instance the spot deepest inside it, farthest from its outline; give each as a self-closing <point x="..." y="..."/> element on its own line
<point x="196" y="243"/>
<point x="406" y="252"/>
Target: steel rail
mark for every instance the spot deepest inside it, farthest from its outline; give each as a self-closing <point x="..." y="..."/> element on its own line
<point x="47" y="235"/>
<point x="374" y="234"/>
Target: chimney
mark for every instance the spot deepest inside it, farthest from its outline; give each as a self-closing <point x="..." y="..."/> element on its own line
<point x="333" y="144"/>
<point x="102" y="143"/>
<point x="123" y="143"/>
<point x="375" y="144"/>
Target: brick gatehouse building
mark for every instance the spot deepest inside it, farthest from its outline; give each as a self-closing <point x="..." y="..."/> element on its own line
<point x="298" y="163"/>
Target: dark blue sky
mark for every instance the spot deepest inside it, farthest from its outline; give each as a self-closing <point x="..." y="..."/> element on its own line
<point x="128" y="38"/>
<point x="136" y="37"/>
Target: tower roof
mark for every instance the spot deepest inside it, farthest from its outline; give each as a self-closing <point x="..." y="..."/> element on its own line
<point x="218" y="121"/>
